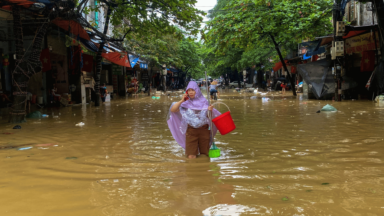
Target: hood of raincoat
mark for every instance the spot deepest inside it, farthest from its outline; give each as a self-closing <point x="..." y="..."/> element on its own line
<point x="197" y="103"/>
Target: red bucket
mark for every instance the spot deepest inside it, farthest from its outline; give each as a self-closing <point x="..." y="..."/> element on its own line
<point x="224" y="123"/>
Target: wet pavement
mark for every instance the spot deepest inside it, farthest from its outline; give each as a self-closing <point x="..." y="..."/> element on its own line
<point x="283" y="159"/>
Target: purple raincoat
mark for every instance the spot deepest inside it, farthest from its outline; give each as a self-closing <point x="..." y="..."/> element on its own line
<point x="175" y="121"/>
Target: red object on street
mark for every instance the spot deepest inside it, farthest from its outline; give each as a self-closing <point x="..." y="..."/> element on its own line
<point x="87" y="63"/>
<point x="45" y="60"/>
<point x="224" y="123"/>
<point x="367" y="61"/>
<point x="293" y="70"/>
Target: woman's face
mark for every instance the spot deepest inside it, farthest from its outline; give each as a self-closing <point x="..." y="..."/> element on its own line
<point x="191" y="93"/>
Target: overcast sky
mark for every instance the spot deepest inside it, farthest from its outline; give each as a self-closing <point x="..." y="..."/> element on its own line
<point x="205" y="5"/>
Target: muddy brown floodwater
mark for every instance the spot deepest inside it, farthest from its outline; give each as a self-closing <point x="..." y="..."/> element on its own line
<point x="283" y="159"/>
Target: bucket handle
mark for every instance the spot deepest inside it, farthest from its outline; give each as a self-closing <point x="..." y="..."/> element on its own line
<point x="222" y="103"/>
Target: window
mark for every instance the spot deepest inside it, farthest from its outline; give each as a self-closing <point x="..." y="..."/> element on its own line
<point x="352" y="9"/>
<point x="101" y="18"/>
<point x="96" y="16"/>
<point x="368" y="5"/>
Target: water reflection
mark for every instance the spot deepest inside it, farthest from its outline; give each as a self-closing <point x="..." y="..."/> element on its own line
<point x="283" y="159"/>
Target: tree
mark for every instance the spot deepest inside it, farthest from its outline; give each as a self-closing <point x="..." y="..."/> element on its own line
<point x="234" y="58"/>
<point x="183" y="53"/>
<point x="190" y="53"/>
<point x="243" y="24"/>
<point x="142" y="17"/>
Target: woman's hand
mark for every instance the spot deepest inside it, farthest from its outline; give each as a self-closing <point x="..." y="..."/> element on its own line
<point x="210" y="108"/>
<point x="183" y="98"/>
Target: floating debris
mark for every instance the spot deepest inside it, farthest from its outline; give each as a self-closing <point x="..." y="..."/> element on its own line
<point x="328" y="108"/>
<point x="80" y="124"/>
<point x="24" y="148"/>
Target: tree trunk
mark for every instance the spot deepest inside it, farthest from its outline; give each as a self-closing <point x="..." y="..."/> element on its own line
<point x="149" y="81"/>
<point x="284" y="65"/>
<point x="260" y="78"/>
<point x="238" y="79"/>
<point x="99" y="58"/>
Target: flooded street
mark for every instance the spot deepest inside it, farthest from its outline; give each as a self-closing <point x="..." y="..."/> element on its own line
<point x="283" y="159"/>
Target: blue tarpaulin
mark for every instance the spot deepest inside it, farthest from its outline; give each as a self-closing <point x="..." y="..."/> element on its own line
<point x="305" y="57"/>
<point x="316" y="52"/>
<point x="312" y="48"/>
<point x="134" y="61"/>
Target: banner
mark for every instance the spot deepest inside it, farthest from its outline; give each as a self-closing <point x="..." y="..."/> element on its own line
<point x="361" y="43"/>
<point x="45" y="60"/>
<point x="367" y="61"/>
<point x="88" y="63"/>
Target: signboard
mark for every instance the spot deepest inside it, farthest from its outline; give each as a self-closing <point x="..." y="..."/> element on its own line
<point x="144" y="76"/>
<point x="117" y="69"/>
<point x="144" y="66"/>
<point x="361" y="43"/>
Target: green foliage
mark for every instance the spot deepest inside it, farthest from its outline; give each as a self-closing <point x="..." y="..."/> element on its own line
<point x="239" y="32"/>
<point x="168" y="49"/>
<point x="157" y="50"/>
<point x="190" y="53"/>
<point x="155" y="29"/>
<point x="162" y="15"/>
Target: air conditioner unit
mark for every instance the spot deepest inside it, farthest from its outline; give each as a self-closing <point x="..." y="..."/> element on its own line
<point x="340" y="28"/>
<point x="337" y="49"/>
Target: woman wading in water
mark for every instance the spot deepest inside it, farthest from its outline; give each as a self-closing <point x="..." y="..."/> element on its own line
<point x="189" y="123"/>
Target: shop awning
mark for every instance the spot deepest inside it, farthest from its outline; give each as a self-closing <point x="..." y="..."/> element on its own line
<point x="89" y="44"/>
<point x="24" y="3"/>
<point x="142" y="65"/>
<point x="134" y="61"/>
<point x="117" y="58"/>
<point x="279" y="65"/>
<point x="353" y="33"/>
<point x="76" y="28"/>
